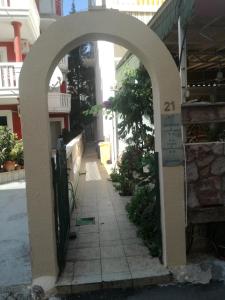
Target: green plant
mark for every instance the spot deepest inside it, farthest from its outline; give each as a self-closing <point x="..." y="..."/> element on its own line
<point x="7" y="143"/>
<point x="115" y="176"/>
<point x="10" y="147"/>
<point x="143" y="212"/>
<point x="19" y="153"/>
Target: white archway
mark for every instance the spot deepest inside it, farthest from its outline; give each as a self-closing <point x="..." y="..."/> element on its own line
<point x="61" y="37"/>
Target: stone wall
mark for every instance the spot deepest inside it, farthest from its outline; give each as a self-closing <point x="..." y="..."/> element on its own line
<point x="205" y="174"/>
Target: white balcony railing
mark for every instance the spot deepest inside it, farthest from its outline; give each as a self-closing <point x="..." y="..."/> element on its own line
<point x="9" y="78"/>
<point x="9" y="87"/>
<point x="24" y="11"/>
<point x="58" y="102"/>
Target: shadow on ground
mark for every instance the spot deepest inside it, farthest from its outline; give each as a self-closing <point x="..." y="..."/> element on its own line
<point x="213" y="291"/>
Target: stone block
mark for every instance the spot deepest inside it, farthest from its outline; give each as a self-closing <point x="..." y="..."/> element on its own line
<point x="192" y="172"/>
<point x="218" y="166"/>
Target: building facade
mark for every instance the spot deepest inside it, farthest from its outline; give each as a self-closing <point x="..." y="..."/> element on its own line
<point x="21" y="23"/>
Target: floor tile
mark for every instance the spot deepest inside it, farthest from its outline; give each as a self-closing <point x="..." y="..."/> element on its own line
<point x="132" y="241"/>
<point x="87" y="268"/>
<point x="67" y="275"/>
<point x="86" y="253"/>
<point x="109" y="235"/>
<point x="111" y="252"/>
<point x="110" y="243"/>
<point x="87" y="238"/>
<point x="116" y="276"/>
<point x="143" y="266"/>
<point x="128" y="234"/>
<point x="88" y="229"/>
<point x="135" y="250"/>
<point x="91" y="278"/>
<point x="108" y="227"/>
<point x="114" y="265"/>
<point x="107" y="219"/>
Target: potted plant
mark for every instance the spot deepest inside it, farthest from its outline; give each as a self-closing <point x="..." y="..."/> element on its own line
<point x="7" y="144"/>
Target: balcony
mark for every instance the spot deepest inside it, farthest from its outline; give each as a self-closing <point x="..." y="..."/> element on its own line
<point x="9" y="89"/>
<point x="9" y="80"/>
<point x="26" y="13"/>
<point x="59" y="103"/>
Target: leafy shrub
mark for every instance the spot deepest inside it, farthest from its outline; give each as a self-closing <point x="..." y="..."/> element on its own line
<point x="7" y="143"/>
<point x="143" y="211"/>
<point x="10" y="147"/>
<point x="115" y="176"/>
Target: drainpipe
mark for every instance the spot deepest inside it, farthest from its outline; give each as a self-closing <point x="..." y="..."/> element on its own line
<point x="182" y="43"/>
<point x="17" y="41"/>
<point x="182" y="59"/>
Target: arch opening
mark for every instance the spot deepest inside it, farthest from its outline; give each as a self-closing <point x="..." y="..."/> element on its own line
<point x="61" y="37"/>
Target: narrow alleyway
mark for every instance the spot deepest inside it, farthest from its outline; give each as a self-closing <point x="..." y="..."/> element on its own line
<point x="107" y="251"/>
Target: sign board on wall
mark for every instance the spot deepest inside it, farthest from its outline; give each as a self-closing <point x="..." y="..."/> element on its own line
<point x="172" y="147"/>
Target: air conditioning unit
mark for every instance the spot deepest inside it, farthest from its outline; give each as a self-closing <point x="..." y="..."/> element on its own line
<point x="25" y="46"/>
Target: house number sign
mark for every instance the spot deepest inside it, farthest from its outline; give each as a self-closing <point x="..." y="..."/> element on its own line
<point x="172" y="147"/>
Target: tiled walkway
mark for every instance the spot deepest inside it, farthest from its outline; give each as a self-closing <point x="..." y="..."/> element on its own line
<point x="109" y="251"/>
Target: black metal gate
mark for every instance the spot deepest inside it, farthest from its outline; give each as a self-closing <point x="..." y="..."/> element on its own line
<point x="62" y="211"/>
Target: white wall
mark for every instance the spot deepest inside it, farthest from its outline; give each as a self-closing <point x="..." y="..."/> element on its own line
<point x="105" y="82"/>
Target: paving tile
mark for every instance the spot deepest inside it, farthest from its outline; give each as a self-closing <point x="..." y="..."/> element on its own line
<point x="86" y="253"/>
<point x="111" y="243"/>
<point x="88" y="228"/>
<point x="116" y="276"/>
<point x="135" y="250"/>
<point x="107" y="219"/>
<point x="70" y="255"/>
<point x="132" y="241"/>
<point x="108" y="227"/>
<point x="87" y="268"/>
<point x="88" y="238"/>
<point x="121" y="217"/>
<point x="106" y="213"/>
<point x="91" y="278"/>
<point x="67" y="275"/>
<point x="114" y="265"/>
<point x="128" y="234"/>
<point x="143" y="266"/>
<point x="109" y="235"/>
<point x="89" y="211"/>
<point x="110" y="252"/>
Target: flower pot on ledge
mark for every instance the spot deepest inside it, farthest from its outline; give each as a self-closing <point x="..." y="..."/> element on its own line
<point x="9" y="165"/>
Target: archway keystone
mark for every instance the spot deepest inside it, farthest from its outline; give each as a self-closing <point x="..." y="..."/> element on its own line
<point x="59" y="39"/>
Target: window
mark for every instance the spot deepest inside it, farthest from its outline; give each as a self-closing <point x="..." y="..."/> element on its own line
<point x="3" y="121"/>
<point x="6" y="119"/>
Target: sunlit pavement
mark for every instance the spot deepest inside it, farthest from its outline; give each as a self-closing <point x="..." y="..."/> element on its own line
<point x="107" y="253"/>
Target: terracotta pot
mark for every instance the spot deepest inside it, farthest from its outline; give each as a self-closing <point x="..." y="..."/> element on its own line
<point x="18" y="167"/>
<point x="9" y="165"/>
